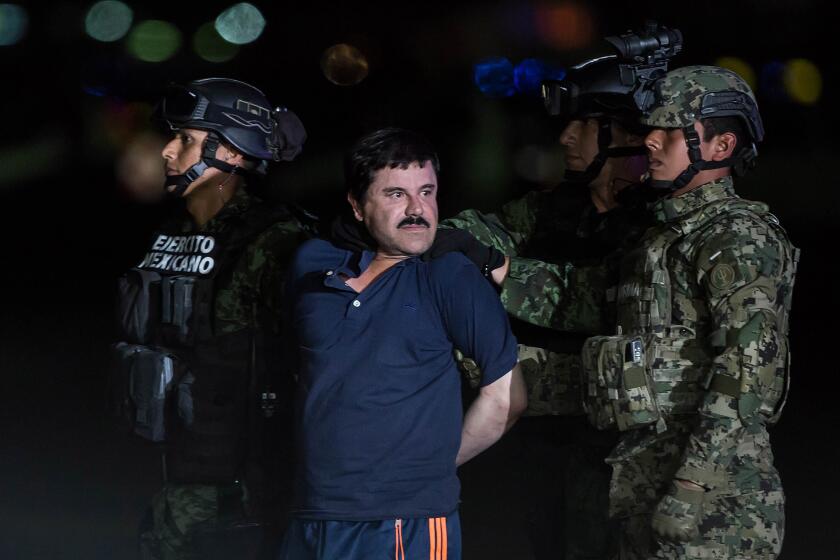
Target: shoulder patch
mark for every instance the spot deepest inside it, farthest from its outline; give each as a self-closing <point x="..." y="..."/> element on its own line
<point x="722" y="276"/>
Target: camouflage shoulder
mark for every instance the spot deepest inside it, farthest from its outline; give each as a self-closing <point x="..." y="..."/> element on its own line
<point x="521" y="215"/>
<point x="740" y="247"/>
<point x="487" y="228"/>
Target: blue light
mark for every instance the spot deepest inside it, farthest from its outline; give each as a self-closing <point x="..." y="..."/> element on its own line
<point x="771" y="81"/>
<point x="530" y="73"/>
<point x="494" y="77"/>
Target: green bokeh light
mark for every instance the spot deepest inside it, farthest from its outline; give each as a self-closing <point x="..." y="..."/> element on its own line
<point x="210" y="46"/>
<point x="13" y="24"/>
<point x="108" y="21"/>
<point x="240" y="24"/>
<point x="154" y="40"/>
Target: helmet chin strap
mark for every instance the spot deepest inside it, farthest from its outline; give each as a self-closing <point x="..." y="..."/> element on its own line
<point x="698" y="164"/>
<point x="591" y="172"/>
<point x="208" y="160"/>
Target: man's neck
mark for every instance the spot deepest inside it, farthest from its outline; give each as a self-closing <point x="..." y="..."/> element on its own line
<point x="601" y="198"/>
<point x="208" y="200"/>
<point x="705" y="176"/>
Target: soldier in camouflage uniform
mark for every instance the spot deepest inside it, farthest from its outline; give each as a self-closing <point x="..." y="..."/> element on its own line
<point x="580" y="221"/>
<point x="698" y="368"/>
<point x="203" y="308"/>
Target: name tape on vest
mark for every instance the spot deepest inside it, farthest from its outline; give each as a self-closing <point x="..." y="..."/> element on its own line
<point x="185" y="254"/>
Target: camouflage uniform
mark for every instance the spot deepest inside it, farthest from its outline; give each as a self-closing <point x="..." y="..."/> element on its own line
<point x="559" y="226"/>
<point x="567" y="475"/>
<point x="180" y="508"/>
<point x="730" y="271"/>
<point x="699" y="366"/>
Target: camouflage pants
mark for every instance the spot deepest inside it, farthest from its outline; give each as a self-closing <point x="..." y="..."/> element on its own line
<point x="176" y="512"/>
<point x="744" y="527"/>
<point x="553" y="381"/>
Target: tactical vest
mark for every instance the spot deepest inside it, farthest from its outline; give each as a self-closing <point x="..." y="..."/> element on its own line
<point x="652" y="368"/>
<point x="177" y="377"/>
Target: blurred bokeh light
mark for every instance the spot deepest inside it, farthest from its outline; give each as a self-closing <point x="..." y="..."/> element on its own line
<point x="344" y="65"/>
<point x="530" y="73"/>
<point x="564" y="26"/>
<point x="494" y="77"/>
<point x="13" y="24"/>
<point x="240" y="24"/>
<point x="540" y="164"/>
<point x="210" y="46"/>
<point x="108" y="21"/>
<point x="771" y="81"/>
<point x="139" y="167"/>
<point x="803" y="81"/>
<point x="740" y="67"/>
<point x="154" y="40"/>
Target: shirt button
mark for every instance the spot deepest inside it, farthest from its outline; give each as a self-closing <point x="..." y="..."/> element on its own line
<point x="329" y="273"/>
<point x="356" y="303"/>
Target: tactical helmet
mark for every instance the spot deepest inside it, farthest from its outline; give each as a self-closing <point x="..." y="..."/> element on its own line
<point x="592" y="88"/>
<point x="236" y="113"/>
<point x="596" y="89"/>
<point x="692" y="93"/>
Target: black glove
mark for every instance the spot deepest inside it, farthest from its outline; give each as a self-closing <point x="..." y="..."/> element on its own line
<point x="485" y="258"/>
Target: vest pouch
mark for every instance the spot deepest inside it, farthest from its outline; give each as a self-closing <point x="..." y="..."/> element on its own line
<point x="145" y="377"/>
<point x="138" y="305"/>
<point x="208" y="444"/>
<point x="618" y="387"/>
<point x="178" y="300"/>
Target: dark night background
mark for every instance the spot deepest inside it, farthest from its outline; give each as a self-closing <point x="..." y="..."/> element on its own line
<point x="73" y="486"/>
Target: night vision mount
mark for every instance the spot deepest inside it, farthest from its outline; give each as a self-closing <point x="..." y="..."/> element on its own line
<point x="641" y="58"/>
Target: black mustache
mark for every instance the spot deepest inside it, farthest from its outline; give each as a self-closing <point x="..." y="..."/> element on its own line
<point x="413" y="221"/>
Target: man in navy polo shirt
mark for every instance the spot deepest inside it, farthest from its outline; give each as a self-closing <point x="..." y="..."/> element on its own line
<point x="380" y="429"/>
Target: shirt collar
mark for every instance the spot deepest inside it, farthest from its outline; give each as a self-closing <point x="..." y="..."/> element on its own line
<point x="676" y="207"/>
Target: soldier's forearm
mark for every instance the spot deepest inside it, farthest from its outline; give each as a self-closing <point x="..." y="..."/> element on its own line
<point x="557" y="296"/>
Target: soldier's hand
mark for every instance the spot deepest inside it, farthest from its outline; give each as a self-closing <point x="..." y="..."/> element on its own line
<point x="485" y="258"/>
<point x="677" y="516"/>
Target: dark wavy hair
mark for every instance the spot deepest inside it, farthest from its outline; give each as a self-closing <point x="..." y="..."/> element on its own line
<point x="387" y="147"/>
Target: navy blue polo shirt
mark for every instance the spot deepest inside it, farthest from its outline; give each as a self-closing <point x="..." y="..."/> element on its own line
<point x="379" y="409"/>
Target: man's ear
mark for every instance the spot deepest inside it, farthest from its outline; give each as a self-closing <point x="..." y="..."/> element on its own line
<point x="230" y="155"/>
<point x="357" y="208"/>
<point x="723" y="146"/>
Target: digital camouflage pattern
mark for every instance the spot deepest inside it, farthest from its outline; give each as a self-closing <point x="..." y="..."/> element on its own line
<point x="748" y="526"/>
<point x="255" y="282"/>
<point x="177" y="510"/>
<point x="553" y="381"/>
<point x="541" y="222"/>
<point x="729" y="282"/>
<point x="681" y="92"/>
<point x="677" y="515"/>
<point x="568" y="480"/>
<point x="259" y="273"/>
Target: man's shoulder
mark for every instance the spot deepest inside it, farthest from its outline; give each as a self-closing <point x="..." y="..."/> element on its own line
<point x="449" y="265"/>
<point x="315" y="254"/>
<point x="742" y="223"/>
<point x="281" y="236"/>
<point x="454" y="275"/>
